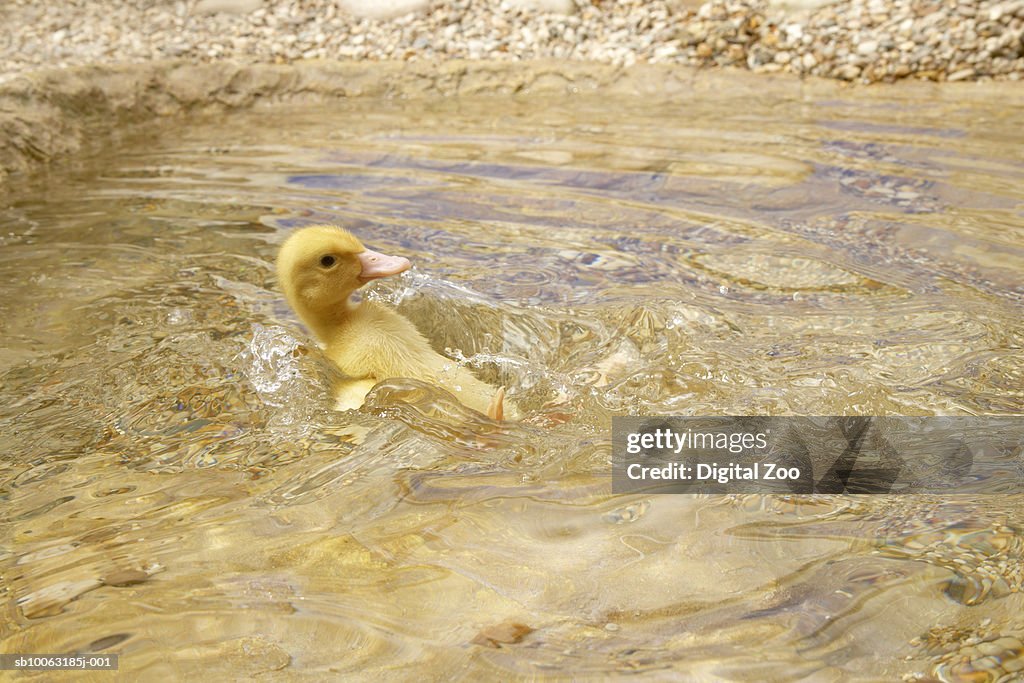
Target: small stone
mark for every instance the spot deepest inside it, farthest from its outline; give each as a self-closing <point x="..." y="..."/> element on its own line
<point x="505" y="633"/>
<point x="961" y="75"/>
<point x="549" y="6"/>
<point x="1010" y="644"/>
<point x="868" y="47"/>
<point x="1014" y="665"/>
<point x="665" y="52"/>
<point x="227" y="6"/>
<point x="381" y="9"/>
<point x="849" y="72"/>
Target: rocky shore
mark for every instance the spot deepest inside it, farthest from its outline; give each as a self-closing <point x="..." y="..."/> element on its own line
<point x="852" y="40"/>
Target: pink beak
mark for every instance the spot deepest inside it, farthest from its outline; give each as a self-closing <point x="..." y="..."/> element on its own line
<point x="376" y="264"/>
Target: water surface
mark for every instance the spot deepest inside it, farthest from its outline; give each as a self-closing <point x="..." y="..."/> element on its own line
<point x="177" y="489"/>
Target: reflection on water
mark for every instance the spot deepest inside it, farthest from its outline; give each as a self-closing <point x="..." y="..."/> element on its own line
<point x="176" y="488"/>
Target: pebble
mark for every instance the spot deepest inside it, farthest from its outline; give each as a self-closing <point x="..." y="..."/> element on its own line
<point x="868" y="47"/>
<point x="848" y="73"/>
<point x="852" y="40"/>
<point x="961" y="75"/>
<point x="228" y="6"/>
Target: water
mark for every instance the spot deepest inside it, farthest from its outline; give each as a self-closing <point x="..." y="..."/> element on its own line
<point x="177" y="489"/>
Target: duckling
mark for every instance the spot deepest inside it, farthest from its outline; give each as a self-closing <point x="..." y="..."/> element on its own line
<point x="319" y="268"/>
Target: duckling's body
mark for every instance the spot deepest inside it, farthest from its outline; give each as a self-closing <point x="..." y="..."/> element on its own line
<point x="319" y="268"/>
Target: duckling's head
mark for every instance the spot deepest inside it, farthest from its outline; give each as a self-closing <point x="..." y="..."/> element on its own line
<point x="319" y="268"/>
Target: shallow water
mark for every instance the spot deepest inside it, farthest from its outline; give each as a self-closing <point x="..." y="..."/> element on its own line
<point x="177" y="490"/>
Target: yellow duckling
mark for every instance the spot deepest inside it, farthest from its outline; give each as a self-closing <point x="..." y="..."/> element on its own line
<point x="319" y="268"/>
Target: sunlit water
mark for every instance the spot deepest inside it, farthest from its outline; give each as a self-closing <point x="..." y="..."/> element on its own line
<point x="176" y="488"/>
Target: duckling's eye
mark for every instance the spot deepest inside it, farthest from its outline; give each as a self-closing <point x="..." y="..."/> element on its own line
<point x="327" y="261"/>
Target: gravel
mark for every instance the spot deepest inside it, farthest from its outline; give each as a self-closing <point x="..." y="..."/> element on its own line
<point x="854" y="40"/>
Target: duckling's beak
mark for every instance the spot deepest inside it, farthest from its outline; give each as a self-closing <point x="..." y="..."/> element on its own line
<point x="376" y="264"/>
